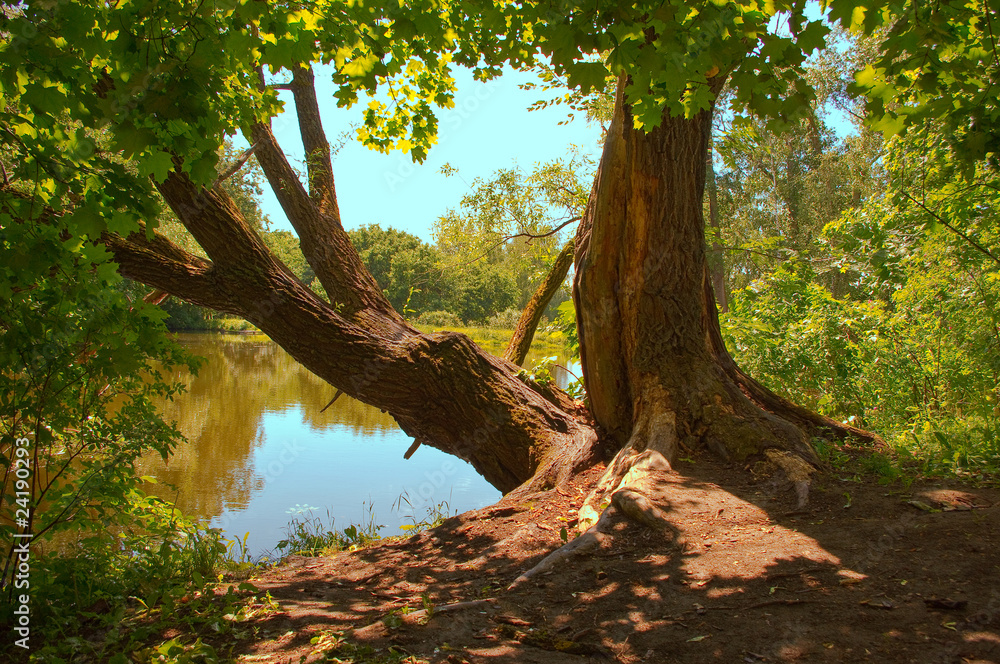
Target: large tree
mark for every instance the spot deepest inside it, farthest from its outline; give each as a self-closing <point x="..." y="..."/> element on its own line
<point x="109" y="107"/>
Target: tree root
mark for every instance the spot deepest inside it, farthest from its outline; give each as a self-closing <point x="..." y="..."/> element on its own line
<point x="797" y="469"/>
<point x="633" y="486"/>
<point x="634" y="479"/>
<point x="595" y="537"/>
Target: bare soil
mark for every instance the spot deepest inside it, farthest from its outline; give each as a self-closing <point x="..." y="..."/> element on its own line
<point x="868" y="573"/>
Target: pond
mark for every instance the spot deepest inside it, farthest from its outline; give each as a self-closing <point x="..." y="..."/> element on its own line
<point x="259" y="450"/>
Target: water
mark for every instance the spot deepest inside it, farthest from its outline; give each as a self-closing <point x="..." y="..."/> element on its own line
<point x="259" y="449"/>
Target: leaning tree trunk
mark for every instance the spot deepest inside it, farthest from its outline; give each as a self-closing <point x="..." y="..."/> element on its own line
<point x="520" y="341"/>
<point x="441" y="388"/>
<point x="657" y="374"/>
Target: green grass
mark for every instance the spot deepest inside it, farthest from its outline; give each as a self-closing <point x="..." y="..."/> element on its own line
<point x="309" y="535"/>
<point x="496" y="339"/>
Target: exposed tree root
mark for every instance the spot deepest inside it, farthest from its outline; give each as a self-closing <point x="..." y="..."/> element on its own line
<point x="634" y="486"/>
<point x="797" y="469"/>
<point x="595" y="537"/>
<point x="631" y="487"/>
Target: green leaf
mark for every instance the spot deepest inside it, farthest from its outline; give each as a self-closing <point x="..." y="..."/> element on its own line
<point x="158" y="165"/>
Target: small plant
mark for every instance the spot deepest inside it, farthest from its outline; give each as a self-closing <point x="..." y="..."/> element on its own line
<point x="308" y="535"/>
<point x="540" y="372"/>
<point x="434" y="516"/>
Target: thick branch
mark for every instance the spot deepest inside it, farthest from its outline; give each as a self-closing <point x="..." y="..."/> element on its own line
<point x="325" y="245"/>
<point x="214" y="220"/>
<point x="519" y="344"/>
<point x="165" y="266"/>
<point x="317" y="149"/>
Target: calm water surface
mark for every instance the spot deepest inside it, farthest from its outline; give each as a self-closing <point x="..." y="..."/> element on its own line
<point x="259" y="449"/>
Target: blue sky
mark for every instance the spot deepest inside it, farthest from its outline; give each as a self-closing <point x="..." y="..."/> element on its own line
<point x="489" y="128"/>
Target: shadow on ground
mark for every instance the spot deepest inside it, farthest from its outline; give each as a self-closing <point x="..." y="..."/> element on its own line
<point x="868" y="573"/>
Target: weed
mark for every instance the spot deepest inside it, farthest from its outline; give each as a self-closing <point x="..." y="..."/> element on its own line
<point x="307" y="534"/>
<point x="434" y="517"/>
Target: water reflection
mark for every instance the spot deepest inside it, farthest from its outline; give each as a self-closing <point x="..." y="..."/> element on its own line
<point x="259" y="445"/>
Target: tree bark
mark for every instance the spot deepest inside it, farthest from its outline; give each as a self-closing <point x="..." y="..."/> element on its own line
<point x="441" y="388"/>
<point x="520" y="342"/>
<point x="658" y="377"/>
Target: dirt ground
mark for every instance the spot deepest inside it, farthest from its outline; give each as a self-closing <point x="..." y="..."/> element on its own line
<point x="868" y="573"/>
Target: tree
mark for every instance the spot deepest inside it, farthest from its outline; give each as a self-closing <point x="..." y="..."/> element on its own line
<point x="514" y="220"/>
<point x="405" y="268"/>
<point x="658" y="375"/>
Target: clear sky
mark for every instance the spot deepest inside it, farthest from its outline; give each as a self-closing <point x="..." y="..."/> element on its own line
<point x="489" y="128"/>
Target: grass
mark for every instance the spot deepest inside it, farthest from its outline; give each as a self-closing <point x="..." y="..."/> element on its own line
<point x="964" y="450"/>
<point x="434" y="517"/>
<point x="309" y="535"/>
<point x="496" y="339"/>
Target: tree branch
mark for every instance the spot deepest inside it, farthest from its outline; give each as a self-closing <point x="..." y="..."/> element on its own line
<point x="324" y="243"/>
<point x="216" y="223"/>
<point x="555" y="230"/>
<point x="237" y="165"/>
<point x="317" y="149"/>
<point x="954" y="230"/>
<point x="166" y="267"/>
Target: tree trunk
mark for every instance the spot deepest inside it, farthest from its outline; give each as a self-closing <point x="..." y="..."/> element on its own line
<point x="520" y="342"/>
<point x="658" y="376"/>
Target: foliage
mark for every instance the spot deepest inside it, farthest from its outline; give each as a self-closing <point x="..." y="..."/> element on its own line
<point x="911" y="349"/>
<point x="439" y="319"/>
<point x="285" y="245"/>
<point x="123" y="585"/>
<point x="938" y="65"/>
<point x="407" y="270"/>
<point x="506" y="319"/>
<point x="82" y="366"/>
<point x="566" y="321"/>
<point x="484" y="290"/>
<point x="513" y="222"/>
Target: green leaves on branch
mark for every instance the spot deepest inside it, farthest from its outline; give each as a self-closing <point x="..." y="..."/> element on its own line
<point x="939" y="63"/>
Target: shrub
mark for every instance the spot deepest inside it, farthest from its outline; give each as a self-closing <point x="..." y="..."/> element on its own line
<point x="439" y="319"/>
<point x="505" y="320"/>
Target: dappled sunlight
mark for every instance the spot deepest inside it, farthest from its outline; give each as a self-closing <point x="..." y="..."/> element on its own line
<point x="741" y="576"/>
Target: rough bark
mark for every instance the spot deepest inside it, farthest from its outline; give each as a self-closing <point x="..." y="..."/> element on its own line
<point x="520" y="342"/>
<point x="657" y="374"/>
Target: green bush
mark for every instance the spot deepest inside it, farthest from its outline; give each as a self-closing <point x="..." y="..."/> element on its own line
<point x="439" y="319"/>
<point x="505" y="320"/>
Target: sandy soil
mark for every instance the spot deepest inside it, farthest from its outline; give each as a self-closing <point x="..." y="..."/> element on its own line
<point x="867" y="573"/>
